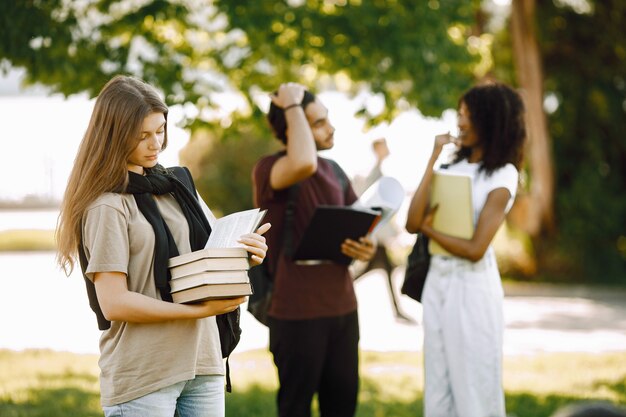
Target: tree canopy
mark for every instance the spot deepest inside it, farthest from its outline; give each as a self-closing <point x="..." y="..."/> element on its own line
<point x="420" y="54"/>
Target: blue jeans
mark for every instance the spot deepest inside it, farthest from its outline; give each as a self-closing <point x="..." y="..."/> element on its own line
<point x="202" y="396"/>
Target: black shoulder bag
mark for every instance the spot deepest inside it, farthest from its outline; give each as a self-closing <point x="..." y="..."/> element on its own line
<point x="416" y="269"/>
<point x="417" y="265"/>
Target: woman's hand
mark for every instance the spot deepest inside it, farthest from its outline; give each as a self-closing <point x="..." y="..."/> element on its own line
<point x="216" y="307"/>
<point x="288" y="94"/>
<point x="363" y="250"/>
<point x="441" y="140"/>
<point x="255" y="244"/>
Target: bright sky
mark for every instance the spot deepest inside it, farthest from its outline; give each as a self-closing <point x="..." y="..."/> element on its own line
<point x="41" y="136"/>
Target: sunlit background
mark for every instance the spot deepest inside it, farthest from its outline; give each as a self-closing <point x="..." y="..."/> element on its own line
<point x="41" y="136"/>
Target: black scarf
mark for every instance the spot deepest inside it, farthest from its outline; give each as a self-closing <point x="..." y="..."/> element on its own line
<point x="158" y="181"/>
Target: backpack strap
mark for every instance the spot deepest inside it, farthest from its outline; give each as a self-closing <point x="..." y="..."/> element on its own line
<point x="184" y="176"/>
<point x="340" y="174"/>
<point x="290" y="214"/>
<point x="103" y="323"/>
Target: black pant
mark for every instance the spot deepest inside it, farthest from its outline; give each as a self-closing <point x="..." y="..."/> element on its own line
<point x="319" y="355"/>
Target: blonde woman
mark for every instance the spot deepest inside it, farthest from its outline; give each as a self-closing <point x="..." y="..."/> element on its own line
<point x="124" y="215"/>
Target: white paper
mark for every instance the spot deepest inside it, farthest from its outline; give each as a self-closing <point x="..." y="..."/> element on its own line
<point x="386" y="194"/>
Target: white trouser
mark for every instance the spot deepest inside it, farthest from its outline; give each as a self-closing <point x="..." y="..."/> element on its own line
<point x="463" y="331"/>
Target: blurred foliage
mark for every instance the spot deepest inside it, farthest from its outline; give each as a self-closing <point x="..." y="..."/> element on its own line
<point x="584" y="56"/>
<point x="412" y="54"/>
<point x="420" y="54"/>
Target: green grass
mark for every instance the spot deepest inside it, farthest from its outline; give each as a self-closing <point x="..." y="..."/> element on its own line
<point x="45" y="383"/>
<point x="42" y="383"/>
<point x="27" y="240"/>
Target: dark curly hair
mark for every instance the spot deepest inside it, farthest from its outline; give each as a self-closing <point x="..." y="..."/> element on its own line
<point x="276" y="116"/>
<point x="496" y="112"/>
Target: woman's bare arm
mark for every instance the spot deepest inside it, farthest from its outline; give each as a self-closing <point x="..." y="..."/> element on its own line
<point x="120" y="304"/>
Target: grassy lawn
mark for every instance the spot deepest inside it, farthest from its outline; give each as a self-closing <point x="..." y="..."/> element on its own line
<point x="45" y="383"/>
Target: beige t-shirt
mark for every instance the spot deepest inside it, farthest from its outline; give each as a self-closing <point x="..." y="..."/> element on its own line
<point x="137" y="359"/>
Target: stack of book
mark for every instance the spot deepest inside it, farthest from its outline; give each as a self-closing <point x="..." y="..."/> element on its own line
<point x="210" y="273"/>
<point x="220" y="270"/>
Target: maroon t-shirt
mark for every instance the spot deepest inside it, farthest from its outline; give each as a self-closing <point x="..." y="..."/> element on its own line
<point x="303" y="291"/>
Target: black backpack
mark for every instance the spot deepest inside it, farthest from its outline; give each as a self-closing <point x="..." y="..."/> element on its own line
<point x="229" y="323"/>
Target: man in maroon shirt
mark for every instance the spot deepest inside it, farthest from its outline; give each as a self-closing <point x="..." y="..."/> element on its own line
<point x="313" y="321"/>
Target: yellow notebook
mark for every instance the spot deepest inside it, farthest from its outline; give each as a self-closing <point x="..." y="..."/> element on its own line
<point x="454" y="217"/>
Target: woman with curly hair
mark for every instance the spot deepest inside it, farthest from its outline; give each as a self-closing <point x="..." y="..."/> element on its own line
<point x="462" y="298"/>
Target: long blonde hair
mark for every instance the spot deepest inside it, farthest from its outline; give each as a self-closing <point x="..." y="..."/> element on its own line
<point x="101" y="162"/>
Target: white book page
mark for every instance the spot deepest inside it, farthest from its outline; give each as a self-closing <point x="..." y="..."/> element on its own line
<point x="227" y="230"/>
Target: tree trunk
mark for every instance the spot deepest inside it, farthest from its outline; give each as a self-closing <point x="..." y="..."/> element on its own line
<point x="533" y="211"/>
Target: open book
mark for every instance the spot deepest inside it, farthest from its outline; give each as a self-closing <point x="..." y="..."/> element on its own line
<point x="454" y="216"/>
<point x="228" y="229"/>
<point x="328" y="228"/>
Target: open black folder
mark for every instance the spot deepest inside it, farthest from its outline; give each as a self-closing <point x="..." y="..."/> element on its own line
<point x="328" y="228"/>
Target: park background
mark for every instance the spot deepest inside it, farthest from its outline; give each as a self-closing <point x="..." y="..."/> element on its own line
<point x="383" y="68"/>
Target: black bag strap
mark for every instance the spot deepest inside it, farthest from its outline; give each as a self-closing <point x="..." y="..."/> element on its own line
<point x="184" y="176"/>
<point x="340" y="174"/>
<point x="290" y="214"/>
<point x="103" y="323"/>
